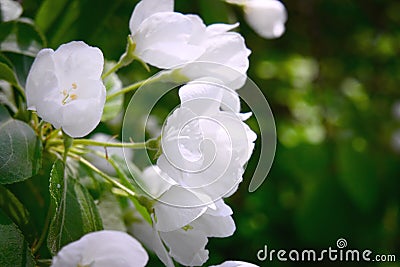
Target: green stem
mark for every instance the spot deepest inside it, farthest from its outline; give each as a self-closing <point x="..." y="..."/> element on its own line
<point x="102" y="174"/>
<point x="90" y="142"/>
<point x="127" y="89"/>
<point x="53" y="134"/>
<point x="68" y="141"/>
<point x="116" y="67"/>
<point x="126" y="58"/>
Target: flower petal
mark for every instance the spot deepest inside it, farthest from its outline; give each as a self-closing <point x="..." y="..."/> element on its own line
<point x="266" y="17"/>
<point x="235" y="264"/>
<point x="225" y="58"/>
<point x="80" y="117"/>
<point x="177" y="208"/>
<point x="215" y="226"/>
<point x="220" y="209"/>
<point x="145" y="9"/>
<point x="219" y="28"/>
<point x="41" y="80"/>
<point x="101" y="249"/>
<point x="200" y="97"/>
<point x="150" y="237"/>
<point x="187" y="247"/>
<point x="154" y="182"/>
<point x="163" y="40"/>
<point x="76" y="60"/>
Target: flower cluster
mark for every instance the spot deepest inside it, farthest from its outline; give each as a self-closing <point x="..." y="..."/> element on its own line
<point x="204" y="144"/>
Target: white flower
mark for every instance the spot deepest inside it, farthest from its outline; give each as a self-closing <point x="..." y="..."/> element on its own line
<point x="204" y="147"/>
<point x="163" y="38"/>
<point x="65" y="87"/>
<point x="266" y="17"/>
<point x="235" y="264"/>
<point x="182" y="224"/>
<point x="10" y="10"/>
<point x="102" y="249"/>
<point x="168" y="40"/>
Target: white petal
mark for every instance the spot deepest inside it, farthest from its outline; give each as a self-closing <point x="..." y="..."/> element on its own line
<point x="237" y="2"/>
<point x="266" y="17"/>
<point x="219" y="28"/>
<point x="215" y="226"/>
<point x="180" y="142"/>
<point x="187" y="247"/>
<point x="154" y="182"/>
<point x="90" y="89"/>
<point x="241" y="136"/>
<point x="235" y="264"/>
<point x="200" y="97"/>
<point x="145" y="9"/>
<point x="41" y="79"/>
<point x="42" y="88"/>
<point x="230" y="49"/>
<point x="180" y="209"/>
<point x="152" y="240"/>
<point x="101" y="249"/>
<point x="10" y="10"/>
<point x="80" y="117"/>
<point x="76" y="60"/>
<point x="221" y="209"/>
<point x="225" y="58"/>
<point x="198" y="29"/>
<point x="50" y="110"/>
<point x="230" y="101"/>
<point x="163" y="40"/>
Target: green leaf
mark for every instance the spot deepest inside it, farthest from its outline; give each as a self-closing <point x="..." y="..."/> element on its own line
<point x="7" y="74"/>
<point x="76" y="213"/>
<point x="48" y="13"/>
<point x="6" y="80"/>
<point x="21" y="64"/>
<point x="7" y="96"/>
<point x="111" y="212"/>
<point x="5" y="60"/>
<point x="9" y="10"/>
<point x="21" y="37"/>
<point x="14" y="249"/>
<point x="17" y="213"/>
<point x="113" y="84"/>
<point x="19" y="144"/>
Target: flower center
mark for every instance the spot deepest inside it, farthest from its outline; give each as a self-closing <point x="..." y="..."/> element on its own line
<point x="69" y="94"/>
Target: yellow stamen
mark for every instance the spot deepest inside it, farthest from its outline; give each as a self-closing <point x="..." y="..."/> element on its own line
<point x="67" y="94"/>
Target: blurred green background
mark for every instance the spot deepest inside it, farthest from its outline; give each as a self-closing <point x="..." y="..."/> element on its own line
<point x="332" y="82"/>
